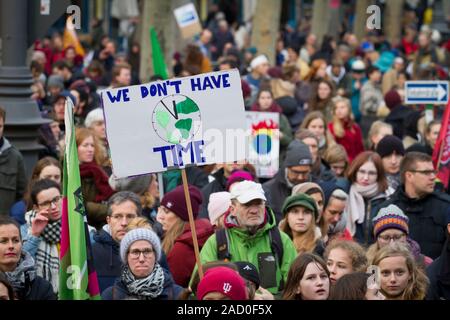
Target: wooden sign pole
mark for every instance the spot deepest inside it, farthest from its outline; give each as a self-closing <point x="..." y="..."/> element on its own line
<point x="191" y="222"/>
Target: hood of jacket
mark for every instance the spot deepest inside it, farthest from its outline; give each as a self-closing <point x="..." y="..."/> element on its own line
<point x="269" y="222"/>
<point x="6" y="145"/>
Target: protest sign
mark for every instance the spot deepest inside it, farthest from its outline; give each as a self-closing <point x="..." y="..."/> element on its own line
<point x="173" y="123"/>
<point x="264" y="142"/>
<point x="187" y="19"/>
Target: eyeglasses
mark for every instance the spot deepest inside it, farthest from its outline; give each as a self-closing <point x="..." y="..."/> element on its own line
<point x="136" y="253"/>
<point x="364" y="172"/>
<point x="48" y="204"/>
<point x="425" y="172"/>
<point x="128" y="217"/>
<point x="388" y="238"/>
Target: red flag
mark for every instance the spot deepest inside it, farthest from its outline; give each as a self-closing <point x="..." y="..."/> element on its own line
<point x="441" y="152"/>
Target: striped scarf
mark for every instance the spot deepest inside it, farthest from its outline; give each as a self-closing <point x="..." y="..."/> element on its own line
<point x="47" y="255"/>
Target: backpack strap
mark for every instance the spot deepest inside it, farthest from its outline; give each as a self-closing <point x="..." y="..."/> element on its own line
<point x="223" y="252"/>
<point x="276" y="245"/>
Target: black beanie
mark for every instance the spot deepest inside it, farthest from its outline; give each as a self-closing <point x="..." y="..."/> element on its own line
<point x="388" y="145"/>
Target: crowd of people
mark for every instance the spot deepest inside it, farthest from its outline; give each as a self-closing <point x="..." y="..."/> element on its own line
<point x="355" y="211"/>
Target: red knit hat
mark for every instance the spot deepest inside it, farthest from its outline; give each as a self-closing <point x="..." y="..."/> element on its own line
<point x="223" y="280"/>
<point x="176" y="202"/>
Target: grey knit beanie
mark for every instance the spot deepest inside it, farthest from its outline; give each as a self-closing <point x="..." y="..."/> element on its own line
<point x="136" y="235"/>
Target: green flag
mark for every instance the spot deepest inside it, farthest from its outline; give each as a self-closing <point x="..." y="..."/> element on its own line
<point x="159" y="66"/>
<point x="77" y="277"/>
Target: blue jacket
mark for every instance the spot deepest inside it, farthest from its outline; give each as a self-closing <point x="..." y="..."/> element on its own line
<point x="119" y="291"/>
<point x="107" y="261"/>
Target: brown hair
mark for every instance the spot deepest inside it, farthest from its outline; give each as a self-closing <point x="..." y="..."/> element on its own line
<point x="352" y="286"/>
<point x="172" y="234"/>
<point x="82" y="134"/>
<point x="410" y="160"/>
<point x="418" y="284"/>
<point x="305" y="242"/>
<point x="354" y="250"/>
<point x="40" y="165"/>
<point x="315" y="66"/>
<point x="313" y="115"/>
<point x="139" y="222"/>
<point x="315" y="103"/>
<point x="288" y="70"/>
<point x="362" y="158"/>
<point x="117" y="69"/>
<point x="2" y="114"/>
<point x="297" y="271"/>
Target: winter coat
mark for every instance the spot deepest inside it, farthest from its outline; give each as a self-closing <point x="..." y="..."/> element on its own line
<point x="38" y="289"/>
<point x="439" y="275"/>
<point x="246" y="247"/>
<point x="120" y="292"/>
<point x="96" y="211"/>
<point x="219" y="184"/>
<point x="181" y="258"/>
<point x="352" y="140"/>
<point x="276" y="191"/>
<point x="371" y="99"/>
<point x="12" y="176"/>
<point x="107" y="261"/>
<point x="427" y="218"/>
<point x="397" y="119"/>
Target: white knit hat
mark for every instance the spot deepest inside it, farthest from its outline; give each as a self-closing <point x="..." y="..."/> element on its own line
<point x="219" y="203"/>
<point x="258" y="60"/>
<point x="136" y="235"/>
<point x="93" y="116"/>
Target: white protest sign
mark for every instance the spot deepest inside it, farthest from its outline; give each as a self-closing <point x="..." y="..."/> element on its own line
<point x="187" y="19"/>
<point x="264" y="142"/>
<point x="169" y="124"/>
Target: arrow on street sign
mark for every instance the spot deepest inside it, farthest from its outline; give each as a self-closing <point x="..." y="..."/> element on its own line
<point x="426" y="92"/>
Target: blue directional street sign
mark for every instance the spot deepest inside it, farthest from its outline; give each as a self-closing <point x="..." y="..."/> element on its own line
<point x="426" y="92"/>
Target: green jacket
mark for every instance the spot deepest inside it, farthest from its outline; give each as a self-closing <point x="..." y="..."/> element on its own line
<point x="245" y="247"/>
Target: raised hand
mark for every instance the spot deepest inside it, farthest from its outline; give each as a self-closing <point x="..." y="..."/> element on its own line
<point x="38" y="224"/>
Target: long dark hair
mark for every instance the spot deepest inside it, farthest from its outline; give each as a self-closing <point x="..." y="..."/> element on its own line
<point x="297" y="271"/>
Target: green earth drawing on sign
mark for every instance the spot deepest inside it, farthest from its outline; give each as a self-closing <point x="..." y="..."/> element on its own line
<point x="176" y="119"/>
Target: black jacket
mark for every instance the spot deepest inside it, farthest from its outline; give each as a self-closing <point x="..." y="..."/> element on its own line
<point x="276" y="191"/>
<point x="427" y="219"/>
<point x="107" y="259"/>
<point x="38" y="289"/>
<point x="439" y="274"/>
<point x="118" y="291"/>
<point x="218" y="185"/>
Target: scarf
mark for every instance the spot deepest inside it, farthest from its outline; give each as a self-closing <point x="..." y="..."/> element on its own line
<point x="146" y="288"/>
<point x="92" y="170"/>
<point x="355" y="209"/>
<point x="47" y="254"/>
<point x="23" y="275"/>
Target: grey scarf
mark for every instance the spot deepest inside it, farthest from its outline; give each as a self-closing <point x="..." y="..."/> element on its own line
<point x="146" y="288"/>
<point x="23" y="274"/>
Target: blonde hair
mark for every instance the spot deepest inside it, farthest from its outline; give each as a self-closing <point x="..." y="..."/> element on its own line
<point x="336" y="153"/>
<point x="172" y="234"/>
<point x="375" y="129"/>
<point x="139" y="222"/>
<point x="418" y="284"/>
<point x="338" y="126"/>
